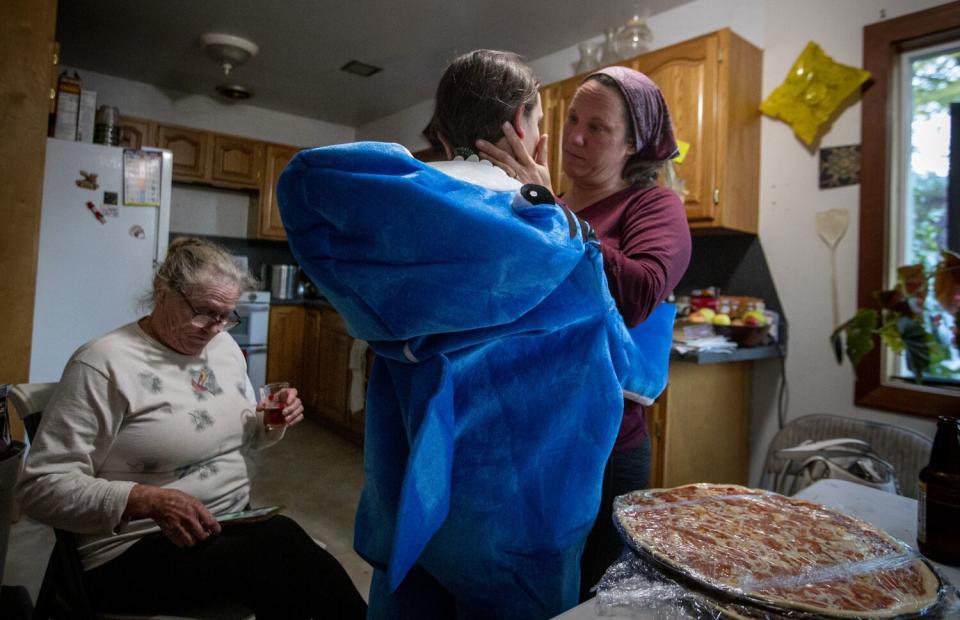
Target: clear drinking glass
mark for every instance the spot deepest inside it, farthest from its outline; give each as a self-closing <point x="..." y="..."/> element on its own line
<point x="272" y="405"/>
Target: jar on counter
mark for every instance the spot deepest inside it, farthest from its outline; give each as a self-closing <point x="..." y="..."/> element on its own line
<point x="704" y="298"/>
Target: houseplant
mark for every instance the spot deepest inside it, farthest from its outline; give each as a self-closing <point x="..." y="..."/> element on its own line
<point x="908" y="321"/>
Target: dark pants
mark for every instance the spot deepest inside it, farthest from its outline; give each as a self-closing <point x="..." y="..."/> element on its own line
<point x="625" y="471"/>
<point x="272" y="567"/>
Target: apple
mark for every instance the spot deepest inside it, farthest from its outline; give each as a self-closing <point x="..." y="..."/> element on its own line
<point x="721" y="319"/>
<point x="754" y="318"/>
<point x="707" y="313"/>
<point x="697" y="317"/>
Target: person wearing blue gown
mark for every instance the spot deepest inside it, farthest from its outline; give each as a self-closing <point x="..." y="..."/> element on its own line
<point x="501" y="359"/>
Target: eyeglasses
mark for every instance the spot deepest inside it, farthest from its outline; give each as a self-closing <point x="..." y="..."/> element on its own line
<point x="205" y="320"/>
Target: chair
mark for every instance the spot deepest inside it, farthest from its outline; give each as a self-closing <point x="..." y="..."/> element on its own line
<point x="62" y="593"/>
<point x="907" y="450"/>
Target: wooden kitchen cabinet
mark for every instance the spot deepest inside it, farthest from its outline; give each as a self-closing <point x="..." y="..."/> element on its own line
<point x="212" y="158"/>
<point x="269" y="224"/>
<point x="333" y="368"/>
<point x="191" y="151"/>
<point x="555" y="100"/>
<point x="237" y="161"/>
<point x="700" y="426"/>
<point x="326" y="372"/>
<point x="310" y="370"/>
<point x="712" y="88"/>
<point x="285" y="345"/>
<point x="137" y="133"/>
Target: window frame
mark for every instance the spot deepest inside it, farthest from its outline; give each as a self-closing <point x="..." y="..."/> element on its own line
<point x="883" y="42"/>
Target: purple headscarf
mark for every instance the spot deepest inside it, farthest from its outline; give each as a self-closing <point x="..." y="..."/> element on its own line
<point x="653" y="132"/>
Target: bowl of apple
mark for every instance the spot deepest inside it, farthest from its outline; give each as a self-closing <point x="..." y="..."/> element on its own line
<point x="750" y="330"/>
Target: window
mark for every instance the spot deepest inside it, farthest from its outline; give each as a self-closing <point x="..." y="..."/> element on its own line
<point x="904" y="213"/>
<point x="926" y="90"/>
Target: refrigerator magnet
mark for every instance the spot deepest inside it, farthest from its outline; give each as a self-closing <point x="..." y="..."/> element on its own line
<point x="137" y="232"/>
<point x="87" y="180"/>
<point x="96" y="213"/>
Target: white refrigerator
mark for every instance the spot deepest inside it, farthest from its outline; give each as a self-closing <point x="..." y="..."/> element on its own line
<point x="101" y="238"/>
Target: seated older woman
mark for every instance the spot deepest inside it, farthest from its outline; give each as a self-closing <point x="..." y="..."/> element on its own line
<point x="143" y="445"/>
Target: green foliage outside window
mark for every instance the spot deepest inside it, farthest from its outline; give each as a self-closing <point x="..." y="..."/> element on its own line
<point x="907" y="319"/>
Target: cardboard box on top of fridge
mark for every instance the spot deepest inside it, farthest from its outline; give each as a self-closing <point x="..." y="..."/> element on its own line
<point x="68" y="106"/>
<point x="87" y="115"/>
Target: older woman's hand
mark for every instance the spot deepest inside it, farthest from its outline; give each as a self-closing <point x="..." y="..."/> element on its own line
<point x="182" y="518"/>
<point x="292" y="408"/>
<point x="518" y="163"/>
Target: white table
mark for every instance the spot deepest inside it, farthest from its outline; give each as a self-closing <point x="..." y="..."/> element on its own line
<point x="894" y="514"/>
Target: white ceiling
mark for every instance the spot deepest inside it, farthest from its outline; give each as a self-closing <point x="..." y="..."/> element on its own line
<point x="304" y="43"/>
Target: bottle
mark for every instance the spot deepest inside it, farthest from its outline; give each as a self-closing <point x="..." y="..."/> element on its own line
<point x="938" y="505"/>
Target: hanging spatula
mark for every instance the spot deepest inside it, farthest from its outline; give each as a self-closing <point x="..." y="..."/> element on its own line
<point x="831" y="227"/>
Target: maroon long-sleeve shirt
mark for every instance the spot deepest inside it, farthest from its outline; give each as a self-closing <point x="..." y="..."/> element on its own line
<point x="645" y="242"/>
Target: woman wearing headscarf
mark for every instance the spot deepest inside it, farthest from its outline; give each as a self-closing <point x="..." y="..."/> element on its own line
<point x="616" y="139"/>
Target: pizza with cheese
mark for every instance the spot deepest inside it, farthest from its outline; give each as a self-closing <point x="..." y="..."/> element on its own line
<point x="777" y="552"/>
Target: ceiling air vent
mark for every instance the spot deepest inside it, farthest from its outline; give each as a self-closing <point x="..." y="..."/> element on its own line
<point x="360" y="68"/>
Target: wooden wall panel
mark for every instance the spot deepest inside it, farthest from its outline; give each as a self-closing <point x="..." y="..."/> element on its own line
<point x="26" y="46"/>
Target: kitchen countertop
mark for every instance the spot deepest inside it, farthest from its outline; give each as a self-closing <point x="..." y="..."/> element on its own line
<point x="740" y="354"/>
<point x="743" y="354"/>
<point x="306" y="303"/>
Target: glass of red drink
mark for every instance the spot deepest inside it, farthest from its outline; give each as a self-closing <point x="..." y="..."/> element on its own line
<point x="272" y="403"/>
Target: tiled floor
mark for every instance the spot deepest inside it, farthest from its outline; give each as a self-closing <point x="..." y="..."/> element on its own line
<point x="315" y="473"/>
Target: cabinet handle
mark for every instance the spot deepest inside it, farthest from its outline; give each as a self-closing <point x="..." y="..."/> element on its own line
<point x="716" y="195"/>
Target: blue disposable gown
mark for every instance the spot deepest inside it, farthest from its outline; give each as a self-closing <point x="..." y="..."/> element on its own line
<point x="501" y="364"/>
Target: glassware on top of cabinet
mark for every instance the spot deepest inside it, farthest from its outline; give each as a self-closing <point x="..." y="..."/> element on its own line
<point x="633" y="38"/>
<point x="938" y="504"/>
<point x="588" y="57"/>
<point x="609" y="55"/>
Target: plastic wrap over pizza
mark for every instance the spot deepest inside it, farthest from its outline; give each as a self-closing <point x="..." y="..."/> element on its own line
<point x="777" y="552"/>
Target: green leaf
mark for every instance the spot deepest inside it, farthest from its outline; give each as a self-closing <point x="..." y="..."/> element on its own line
<point x="916" y="343"/>
<point x="859" y="331"/>
<point x="890" y="333"/>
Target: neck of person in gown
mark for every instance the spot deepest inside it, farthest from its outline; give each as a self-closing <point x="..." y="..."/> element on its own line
<point x="175" y="321"/>
<point x="526" y="124"/>
<point x="597" y="142"/>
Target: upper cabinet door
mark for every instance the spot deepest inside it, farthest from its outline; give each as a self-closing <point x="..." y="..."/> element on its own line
<point x="191" y="152"/>
<point x="270" y="225"/>
<point x="712" y="87"/>
<point x="136" y="133"/>
<point x="237" y="161"/>
<point x="687" y="76"/>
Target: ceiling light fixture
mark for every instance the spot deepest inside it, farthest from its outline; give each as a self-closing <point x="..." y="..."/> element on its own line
<point x="234" y="91"/>
<point x="229" y="50"/>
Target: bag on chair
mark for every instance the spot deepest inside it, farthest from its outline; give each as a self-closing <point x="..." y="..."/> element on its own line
<point x="845" y="458"/>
